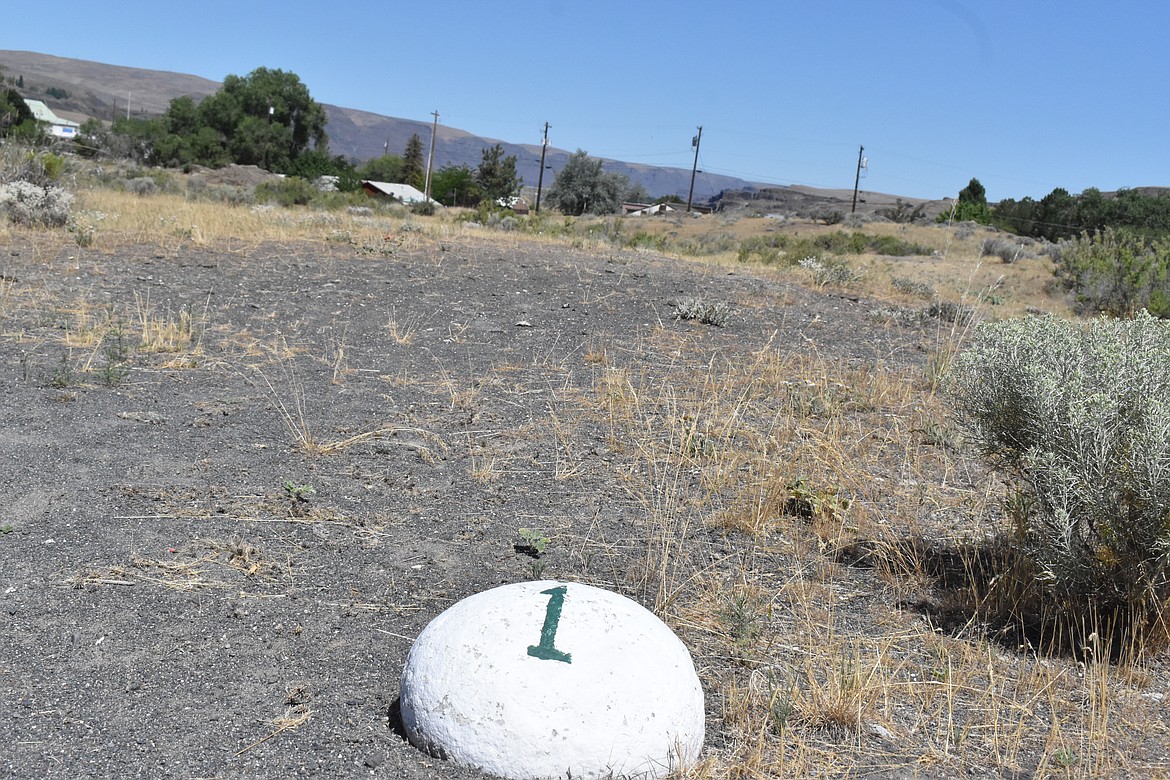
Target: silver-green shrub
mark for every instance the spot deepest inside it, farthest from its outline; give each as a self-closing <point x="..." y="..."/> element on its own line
<point x="29" y="193"/>
<point x="1079" y="418"/>
<point x="715" y="313"/>
<point x="31" y="204"/>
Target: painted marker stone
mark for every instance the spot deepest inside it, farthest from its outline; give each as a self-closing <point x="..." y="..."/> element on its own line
<point x="553" y="680"/>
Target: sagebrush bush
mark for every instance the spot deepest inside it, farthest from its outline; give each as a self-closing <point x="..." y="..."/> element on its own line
<point x="715" y="313"/>
<point x="1116" y="272"/>
<point x="831" y="271"/>
<point x="1079" y="418"/>
<point x="142" y="185"/>
<point x="1005" y="249"/>
<point x="31" y="204"/>
<point x="912" y="287"/>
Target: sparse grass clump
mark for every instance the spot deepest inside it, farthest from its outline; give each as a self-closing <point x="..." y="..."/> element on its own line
<point x="1078" y="418"/>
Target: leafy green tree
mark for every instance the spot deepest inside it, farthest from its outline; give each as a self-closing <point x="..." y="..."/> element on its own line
<point x="582" y="187"/>
<point x="971" y="205"/>
<point x="315" y="163"/>
<point x="636" y="193"/>
<point x="14" y="112"/>
<point x="496" y="175"/>
<point x="455" y="186"/>
<point x="266" y="118"/>
<point x="387" y="168"/>
<point x="1016" y="216"/>
<point x="413" y="172"/>
<point x="137" y="138"/>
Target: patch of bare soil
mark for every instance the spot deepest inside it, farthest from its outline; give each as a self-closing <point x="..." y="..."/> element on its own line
<point x="238" y="484"/>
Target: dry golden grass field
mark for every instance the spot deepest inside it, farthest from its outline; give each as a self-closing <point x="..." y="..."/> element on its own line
<point x="249" y="452"/>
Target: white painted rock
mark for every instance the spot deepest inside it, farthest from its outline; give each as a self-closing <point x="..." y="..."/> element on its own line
<point x="553" y="680"/>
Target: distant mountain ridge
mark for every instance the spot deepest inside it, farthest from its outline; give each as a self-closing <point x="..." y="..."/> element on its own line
<point x="104" y="91"/>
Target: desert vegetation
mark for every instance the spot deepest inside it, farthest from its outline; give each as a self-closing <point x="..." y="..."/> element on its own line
<point x="927" y="533"/>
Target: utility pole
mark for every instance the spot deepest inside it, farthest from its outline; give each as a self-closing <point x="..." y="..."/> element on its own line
<point x="695" y="143"/>
<point x="540" y="176"/>
<point x="431" y="157"/>
<point x="857" y="180"/>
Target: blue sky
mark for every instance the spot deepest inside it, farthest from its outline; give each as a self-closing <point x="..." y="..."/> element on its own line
<point x="1026" y="96"/>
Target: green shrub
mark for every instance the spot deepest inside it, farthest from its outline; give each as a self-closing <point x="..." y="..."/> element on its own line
<point x="896" y="247"/>
<point x="790" y="250"/>
<point x="1078" y="417"/>
<point x="53" y="165"/>
<point x="644" y="240"/>
<point x="761" y="249"/>
<point x="1117" y="272"/>
<point x="289" y="191"/>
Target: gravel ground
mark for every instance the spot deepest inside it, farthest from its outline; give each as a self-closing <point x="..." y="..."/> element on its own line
<point x="176" y="602"/>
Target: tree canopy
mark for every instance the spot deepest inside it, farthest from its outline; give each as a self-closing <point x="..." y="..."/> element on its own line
<point x="496" y="175"/>
<point x="15" y="116"/>
<point x="583" y="187"/>
<point x="267" y="118"/>
<point x="971" y="205"/>
<point x="1060" y="215"/>
<point x="454" y="185"/>
<point x="413" y="166"/>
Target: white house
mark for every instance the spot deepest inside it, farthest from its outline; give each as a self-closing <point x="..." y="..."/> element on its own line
<point x="61" y="128"/>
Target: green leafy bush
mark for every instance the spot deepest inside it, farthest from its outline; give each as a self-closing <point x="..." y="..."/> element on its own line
<point x="1117" y="272"/>
<point x="1079" y="419"/>
<point x="289" y="191"/>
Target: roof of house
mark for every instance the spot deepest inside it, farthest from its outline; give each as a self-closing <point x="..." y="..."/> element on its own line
<point x="403" y="192"/>
<point x="43" y="113"/>
<point x="640" y="209"/>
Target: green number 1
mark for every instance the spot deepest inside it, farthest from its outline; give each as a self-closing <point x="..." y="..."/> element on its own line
<point x="547" y="650"/>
